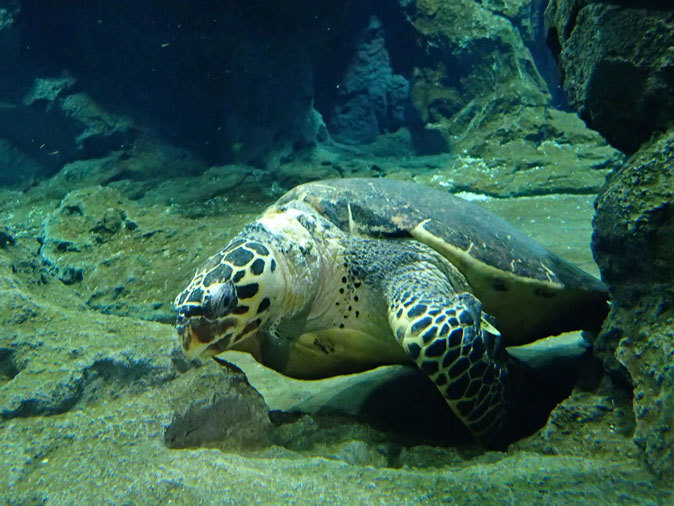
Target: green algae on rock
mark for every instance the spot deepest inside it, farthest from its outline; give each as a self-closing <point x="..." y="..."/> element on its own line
<point x="477" y="89"/>
<point x="111" y="249"/>
<point x="617" y="65"/>
<point x="633" y="243"/>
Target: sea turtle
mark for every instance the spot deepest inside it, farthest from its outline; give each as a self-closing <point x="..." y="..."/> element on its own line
<point x="344" y="275"/>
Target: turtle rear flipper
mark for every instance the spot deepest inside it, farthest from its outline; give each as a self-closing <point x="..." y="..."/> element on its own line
<point x="441" y="331"/>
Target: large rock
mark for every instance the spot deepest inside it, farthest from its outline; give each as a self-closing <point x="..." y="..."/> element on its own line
<point x="477" y="92"/>
<point x="524" y="14"/>
<point x="55" y="123"/>
<point x="633" y="242"/>
<point x="134" y="172"/>
<point x="546" y="151"/>
<point x="634" y="227"/>
<point x="78" y="387"/>
<point x="371" y="99"/>
<point x="617" y="64"/>
<point x="469" y="53"/>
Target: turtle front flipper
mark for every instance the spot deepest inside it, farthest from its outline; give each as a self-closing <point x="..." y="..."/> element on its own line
<point x="442" y="332"/>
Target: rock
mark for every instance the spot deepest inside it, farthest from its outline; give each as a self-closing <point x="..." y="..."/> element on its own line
<point x="478" y="94"/>
<point x="48" y="90"/>
<point x="617" y="64"/>
<point x="211" y="408"/>
<point x="49" y="360"/>
<point x="97" y="131"/>
<point x="106" y="247"/>
<point x="56" y="123"/>
<point x="59" y="358"/>
<point x="216" y="182"/>
<point x="562" y="157"/>
<point x="524" y="14"/>
<point x="461" y="41"/>
<point x="77" y="226"/>
<point x="100" y="131"/>
<point x="634" y="226"/>
<point x="632" y="242"/>
<point x="592" y="422"/>
<point x="134" y="173"/>
<point x="371" y="99"/>
<point x="574" y="165"/>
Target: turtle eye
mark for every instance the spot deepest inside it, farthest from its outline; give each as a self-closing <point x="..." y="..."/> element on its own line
<point x="218" y="300"/>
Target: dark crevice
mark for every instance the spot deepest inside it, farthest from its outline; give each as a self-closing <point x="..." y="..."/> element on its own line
<point x="6" y="239"/>
<point x="571" y="23"/>
<point x="546" y="57"/>
<point x="8" y="367"/>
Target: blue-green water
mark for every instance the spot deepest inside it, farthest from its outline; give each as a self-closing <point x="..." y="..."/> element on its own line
<point x="138" y="138"/>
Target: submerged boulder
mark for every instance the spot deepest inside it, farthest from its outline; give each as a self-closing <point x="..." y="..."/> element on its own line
<point x="476" y="92"/>
<point x="633" y="242"/>
<point x="617" y="65"/>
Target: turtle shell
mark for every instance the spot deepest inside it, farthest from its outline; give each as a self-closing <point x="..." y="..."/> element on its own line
<point x="531" y="291"/>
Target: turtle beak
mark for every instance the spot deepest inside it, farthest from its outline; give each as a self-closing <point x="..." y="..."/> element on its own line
<point x="193" y="347"/>
<point x="197" y="335"/>
<point x="193" y="343"/>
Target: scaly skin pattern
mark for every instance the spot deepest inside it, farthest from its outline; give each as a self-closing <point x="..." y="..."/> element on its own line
<point x="268" y="275"/>
<point x="292" y="274"/>
<point x="224" y="304"/>
<point x="441" y="331"/>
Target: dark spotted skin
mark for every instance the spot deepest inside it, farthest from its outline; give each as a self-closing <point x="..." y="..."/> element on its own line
<point x="466" y="363"/>
<point x="348" y="299"/>
<point x="437" y="321"/>
<point x="236" y="272"/>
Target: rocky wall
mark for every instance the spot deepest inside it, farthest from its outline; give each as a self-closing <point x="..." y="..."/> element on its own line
<point x="617" y="65"/>
<point x="633" y="242"/>
<point x="261" y="84"/>
<point x="476" y="91"/>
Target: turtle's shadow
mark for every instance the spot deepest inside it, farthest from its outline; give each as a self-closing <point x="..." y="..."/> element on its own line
<point x="411" y="406"/>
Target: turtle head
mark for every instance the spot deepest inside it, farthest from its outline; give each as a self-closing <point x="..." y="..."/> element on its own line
<point x="231" y="297"/>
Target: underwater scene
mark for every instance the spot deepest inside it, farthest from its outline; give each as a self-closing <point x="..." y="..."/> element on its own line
<point x="337" y="252"/>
